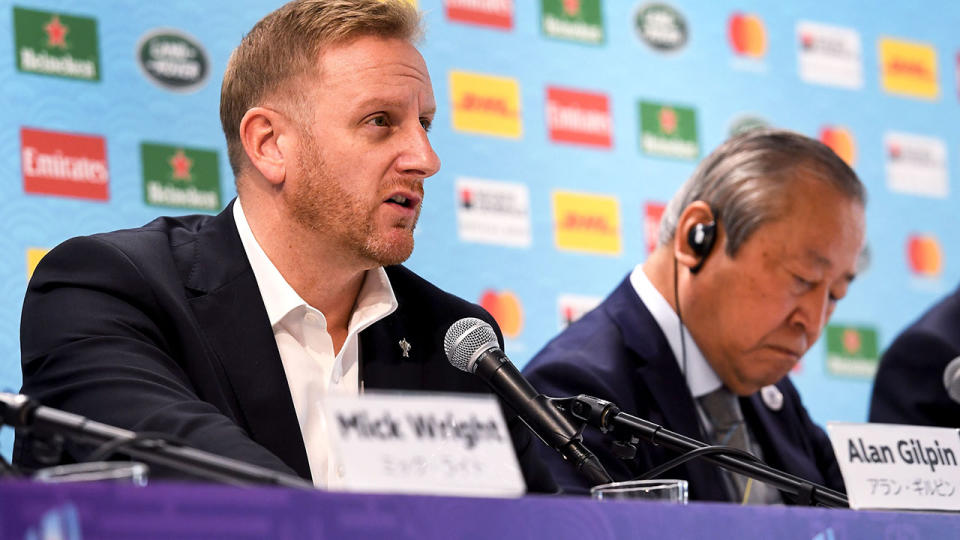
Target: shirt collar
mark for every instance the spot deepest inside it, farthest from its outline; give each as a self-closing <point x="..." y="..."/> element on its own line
<point x="701" y="378"/>
<point x="375" y="301"/>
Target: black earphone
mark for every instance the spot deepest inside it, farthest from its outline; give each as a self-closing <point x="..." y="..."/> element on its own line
<point x="701" y="239"/>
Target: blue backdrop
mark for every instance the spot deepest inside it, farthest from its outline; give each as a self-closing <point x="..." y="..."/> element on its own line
<point x="541" y="205"/>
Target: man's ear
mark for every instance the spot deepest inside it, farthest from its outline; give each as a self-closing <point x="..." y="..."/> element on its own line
<point x="263" y="132"/>
<point x="697" y="212"/>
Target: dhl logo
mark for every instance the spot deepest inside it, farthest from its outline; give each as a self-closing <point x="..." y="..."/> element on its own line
<point x="493" y="105"/>
<point x="586" y="222"/>
<point x="582" y="222"/>
<point x="909" y="68"/>
<point x="485" y="104"/>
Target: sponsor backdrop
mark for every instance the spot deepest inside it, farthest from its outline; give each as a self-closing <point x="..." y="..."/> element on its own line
<point x="564" y="126"/>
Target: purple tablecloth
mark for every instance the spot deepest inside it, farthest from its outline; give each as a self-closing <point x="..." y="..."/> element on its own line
<point x="88" y="511"/>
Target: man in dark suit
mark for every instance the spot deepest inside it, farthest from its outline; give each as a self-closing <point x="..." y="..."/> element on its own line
<point x="754" y="252"/>
<point x="909" y="387"/>
<point x="228" y="331"/>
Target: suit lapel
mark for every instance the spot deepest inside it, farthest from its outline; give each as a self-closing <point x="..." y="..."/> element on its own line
<point x="657" y="367"/>
<point x="230" y="312"/>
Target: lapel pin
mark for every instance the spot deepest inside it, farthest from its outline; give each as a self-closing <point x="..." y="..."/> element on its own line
<point x="405" y="347"/>
<point x="772" y="397"/>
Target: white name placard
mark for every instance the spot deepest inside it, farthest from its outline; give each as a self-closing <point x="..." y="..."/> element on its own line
<point x="438" y="444"/>
<point x="898" y="467"/>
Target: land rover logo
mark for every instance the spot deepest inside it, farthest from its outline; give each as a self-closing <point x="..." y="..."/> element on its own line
<point x="173" y="60"/>
<point x="661" y="26"/>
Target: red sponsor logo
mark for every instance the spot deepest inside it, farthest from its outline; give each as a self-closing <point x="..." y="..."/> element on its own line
<point x="493" y="13"/>
<point x="579" y="117"/>
<point x="653" y="211"/>
<point x="66" y="164"/>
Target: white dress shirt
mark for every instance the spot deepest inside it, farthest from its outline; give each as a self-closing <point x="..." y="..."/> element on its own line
<point x="306" y="348"/>
<point x="701" y="378"/>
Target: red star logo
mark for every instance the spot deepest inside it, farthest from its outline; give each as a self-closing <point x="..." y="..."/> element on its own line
<point x="181" y="165"/>
<point x="851" y="341"/>
<point x="668" y="120"/>
<point x="56" y="33"/>
<point x="571" y="7"/>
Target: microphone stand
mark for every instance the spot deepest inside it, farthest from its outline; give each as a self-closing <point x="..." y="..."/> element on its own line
<point x="607" y="417"/>
<point x="21" y="412"/>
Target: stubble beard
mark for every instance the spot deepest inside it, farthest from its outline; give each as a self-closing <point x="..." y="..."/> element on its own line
<point x="320" y="204"/>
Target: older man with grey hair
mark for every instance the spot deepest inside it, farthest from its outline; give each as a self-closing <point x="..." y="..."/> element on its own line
<point x="754" y="252"/>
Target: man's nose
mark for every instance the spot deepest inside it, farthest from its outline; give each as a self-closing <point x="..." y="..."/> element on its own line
<point x="812" y="312"/>
<point x="417" y="156"/>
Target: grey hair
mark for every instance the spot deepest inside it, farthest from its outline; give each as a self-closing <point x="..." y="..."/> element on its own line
<point x="744" y="181"/>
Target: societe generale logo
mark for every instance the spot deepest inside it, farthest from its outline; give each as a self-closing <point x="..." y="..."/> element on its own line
<point x="493" y="212"/>
<point x="916" y="164"/>
<point x="578" y="117"/>
<point x="841" y="141"/>
<point x="909" y="68"/>
<point x="829" y="55"/>
<point x="492" y="13"/>
<point x="486" y="104"/>
<point x="924" y="256"/>
<point x="66" y="164"/>
<point x="747" y="34"/>
<point x="586" y="222"/>
<point x="570" y="307"/>
<point x="506" y="309"/>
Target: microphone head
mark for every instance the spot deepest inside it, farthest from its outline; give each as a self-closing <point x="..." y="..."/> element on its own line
<point x="466" y="339"/>
<point x="951" y="379"/>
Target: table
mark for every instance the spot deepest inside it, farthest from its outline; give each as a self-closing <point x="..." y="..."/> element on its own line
<point x="115" y="511"/>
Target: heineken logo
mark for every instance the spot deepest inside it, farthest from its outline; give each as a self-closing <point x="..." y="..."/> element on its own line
<point x="668" y="130"/>
<point x="574" y="20"/>
<point x="661" y="27"/>
<point x="180" y="177"/>
<point x="852" y="350"/>
<point x="56" y="44"/>
<point x="173" y="60"/>
<point x="65" y="164"/>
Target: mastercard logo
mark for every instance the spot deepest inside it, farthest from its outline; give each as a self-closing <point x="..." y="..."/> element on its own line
<point x="924" y="255"/>
<point x="506" y="309"/>
<point x="748" y="37"/>
<point x="840" y="140"/>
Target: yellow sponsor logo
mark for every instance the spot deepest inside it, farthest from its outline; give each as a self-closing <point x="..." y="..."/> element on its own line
<point x="909" y="68"/>
<point x="584" y="222"/>
<point x="485" y="104"/>
<point x="33" y="259"/>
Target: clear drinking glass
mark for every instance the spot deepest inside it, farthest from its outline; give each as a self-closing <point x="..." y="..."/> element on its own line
<point x="664" y="490"/>
<point x="130" y="472"/>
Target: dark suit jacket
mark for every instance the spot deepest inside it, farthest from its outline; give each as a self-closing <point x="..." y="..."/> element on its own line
<point x="163" y="329"/>
<point x="908" y="388"/>
<point x="617" y="352"/>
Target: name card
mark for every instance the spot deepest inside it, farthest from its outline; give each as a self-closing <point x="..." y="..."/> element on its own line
<point x="438" y="444"/>
<point x="898" y="467"/>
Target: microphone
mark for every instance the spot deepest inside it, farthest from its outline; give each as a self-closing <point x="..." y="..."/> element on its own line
<point x="951" y="379"/>
<point x="471" y="345"/>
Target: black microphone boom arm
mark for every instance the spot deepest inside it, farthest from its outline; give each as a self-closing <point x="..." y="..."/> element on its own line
<point x="607" y="417"/>
<point x="23" y="413"/>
